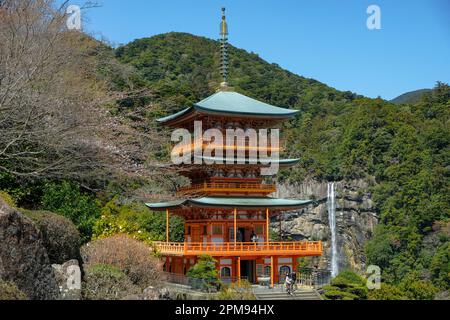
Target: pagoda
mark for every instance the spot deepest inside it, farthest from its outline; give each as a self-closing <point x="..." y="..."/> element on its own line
<point x="227" y="207"/>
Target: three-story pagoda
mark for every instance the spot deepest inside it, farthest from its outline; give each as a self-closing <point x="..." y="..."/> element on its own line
<point x="228" y="207"/>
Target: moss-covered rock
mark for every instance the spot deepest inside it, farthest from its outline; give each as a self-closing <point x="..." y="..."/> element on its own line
<point x="23" y="257"/>
<point x="60" y="236"/>
<point x="9" y="291"/>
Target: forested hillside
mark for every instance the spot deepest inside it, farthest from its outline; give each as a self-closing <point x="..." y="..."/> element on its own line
<point x="105" y="163"/>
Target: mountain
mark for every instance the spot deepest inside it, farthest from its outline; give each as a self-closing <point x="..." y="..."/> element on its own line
<point x="410" y="97"/>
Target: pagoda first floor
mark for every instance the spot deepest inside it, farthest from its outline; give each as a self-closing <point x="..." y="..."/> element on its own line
<point x="235" y="232"/>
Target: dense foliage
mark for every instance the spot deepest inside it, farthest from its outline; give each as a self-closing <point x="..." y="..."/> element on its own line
<point x="68" y="200"/>
<point x="137" y="221"/>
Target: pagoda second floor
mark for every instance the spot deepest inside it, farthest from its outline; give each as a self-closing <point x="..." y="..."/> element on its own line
<point x="226" y="186"/>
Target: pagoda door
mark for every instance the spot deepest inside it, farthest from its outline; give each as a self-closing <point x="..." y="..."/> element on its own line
<point x="195" y="234"/>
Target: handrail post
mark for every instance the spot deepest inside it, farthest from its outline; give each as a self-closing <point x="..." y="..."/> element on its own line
<point x="167" y="225"/>
<point x="239" y="271"/>
<point x="267" y="227"/>
<point x="271" y="271"/>
<point x="235" y="226"/>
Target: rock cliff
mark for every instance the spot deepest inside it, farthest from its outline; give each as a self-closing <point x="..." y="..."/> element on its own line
<point x="355" y="220"/>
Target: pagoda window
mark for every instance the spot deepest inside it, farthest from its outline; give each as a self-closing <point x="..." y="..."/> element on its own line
<point x="217" y="229"/>
<point x="260" y="270"/>
<point x="225" y="272"/>
<point x="267" y="270"/>
<point x="231" y="234"/>
<point x="284" y="270"/>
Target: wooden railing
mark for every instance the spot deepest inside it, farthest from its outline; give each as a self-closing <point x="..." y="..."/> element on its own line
<point x="298" y="248"/>
<point x="191" y="147"/>
<point x="227" y="187"/>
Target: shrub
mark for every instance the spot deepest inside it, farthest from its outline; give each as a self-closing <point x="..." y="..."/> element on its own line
<point x="331" y="293"/>
<point x="235" y="292"/>
<point x="106" y="282"/>
<point x="131" y="256"/>
<point x="346" y="286"/>
<point x="387" y="292"/>
<point x="68" y="200"/>
<point x="9" y="291"/>
<point x="60" y="236"/>
<point x="417" y="289"/>
<point x="205" y="269"/>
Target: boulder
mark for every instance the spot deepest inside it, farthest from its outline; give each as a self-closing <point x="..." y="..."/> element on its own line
<point x="68" y="276"/>
<point x="23" y="258"/>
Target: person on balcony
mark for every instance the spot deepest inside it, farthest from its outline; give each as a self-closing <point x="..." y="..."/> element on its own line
<point x="254" y="237"/>
<point x="239" y="237"/>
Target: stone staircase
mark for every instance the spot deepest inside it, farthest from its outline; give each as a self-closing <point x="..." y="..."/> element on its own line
<point x="278" y="294"/>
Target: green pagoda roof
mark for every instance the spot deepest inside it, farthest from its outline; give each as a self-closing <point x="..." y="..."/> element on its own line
<point x="233" y="103"/>
<point x="232" y="202"/>
<point x="281" y="162"/>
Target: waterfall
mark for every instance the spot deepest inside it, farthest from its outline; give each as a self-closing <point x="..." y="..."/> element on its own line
<point x="331" y="204"/>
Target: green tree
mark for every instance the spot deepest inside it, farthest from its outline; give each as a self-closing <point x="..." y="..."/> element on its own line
<point x="67" y="199"/>
<point x="440" y="267"/>
<point x="204" y="273"/>
<point x="205" y="268"/>
<point x="347" y="285"/>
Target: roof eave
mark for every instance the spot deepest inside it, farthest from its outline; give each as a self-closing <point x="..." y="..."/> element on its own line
<point x="248" y="114"/>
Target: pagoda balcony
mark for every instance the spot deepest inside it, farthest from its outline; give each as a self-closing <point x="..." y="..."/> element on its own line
<point x="293" y="248"/>
<point x="238" y="146"/>
<point x="227" y="188"/>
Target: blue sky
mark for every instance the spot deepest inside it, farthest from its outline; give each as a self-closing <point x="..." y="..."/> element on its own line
<point x="325" y="40"/>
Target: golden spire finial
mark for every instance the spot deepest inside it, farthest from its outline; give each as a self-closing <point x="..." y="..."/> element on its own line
<point x="224" y="51"/>
<point x="223" y="25"/>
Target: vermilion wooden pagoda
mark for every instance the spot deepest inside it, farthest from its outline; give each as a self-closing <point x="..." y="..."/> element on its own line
<point x="227" y="207"/>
